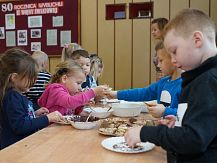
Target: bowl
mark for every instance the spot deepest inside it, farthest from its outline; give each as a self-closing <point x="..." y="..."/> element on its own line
<point x="126" y="109"/>
<point x="84" y="125"/>
<point x="101" y="112"/>
<point x="143" y="105"/>
<point x="80" y="122"/>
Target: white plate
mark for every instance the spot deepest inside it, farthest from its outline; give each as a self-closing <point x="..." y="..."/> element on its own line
<point x="117" y="144"/>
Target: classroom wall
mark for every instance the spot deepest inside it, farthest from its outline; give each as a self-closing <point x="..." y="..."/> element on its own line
<point x="126" y="46"/>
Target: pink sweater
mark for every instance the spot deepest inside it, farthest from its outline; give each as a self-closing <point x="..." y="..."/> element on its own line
<point x="57" y="97"/>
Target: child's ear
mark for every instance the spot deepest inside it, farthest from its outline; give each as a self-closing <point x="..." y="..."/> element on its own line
<point x="13" y="77"/>
<point x="198" y="39"/>
<point x="64" y="78"/>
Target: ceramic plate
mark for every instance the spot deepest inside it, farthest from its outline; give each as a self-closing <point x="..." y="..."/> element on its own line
<point x="117" y="144"/>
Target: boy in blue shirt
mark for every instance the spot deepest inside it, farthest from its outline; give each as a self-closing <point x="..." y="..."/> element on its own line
<point x="166" y="91"/>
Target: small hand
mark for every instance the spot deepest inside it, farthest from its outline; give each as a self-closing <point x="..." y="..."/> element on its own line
<point x="132" y="136"/>
<point x="156" y="110"/>
<point x="55" y="116"/>
<point x="41" y="111"/>
<point x="168" y="121"/>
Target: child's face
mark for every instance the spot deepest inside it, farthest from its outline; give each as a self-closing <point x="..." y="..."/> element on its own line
<point x="73" y="83"/>
<point x="164" y="62"/>
<point x="20" y="84"/>
<point x="85" y="64"/>
<point x="184" y="51"/>
<point x="155" y="31"/>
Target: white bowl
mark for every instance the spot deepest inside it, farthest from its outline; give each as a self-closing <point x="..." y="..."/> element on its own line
<point x="126" y="109"/>
<point x="84" y="125"/>
<point x="100" y="112"/>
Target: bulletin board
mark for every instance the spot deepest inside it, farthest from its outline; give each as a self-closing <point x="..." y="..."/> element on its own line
<point x="45" y="25"/>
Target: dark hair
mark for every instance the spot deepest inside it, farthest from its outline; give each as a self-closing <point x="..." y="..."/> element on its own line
<point x="79" y="53"/>
<point x="16" y="61"/>
<point x="161" y="22"/>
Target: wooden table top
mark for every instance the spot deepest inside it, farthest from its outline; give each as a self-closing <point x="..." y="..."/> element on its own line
<point x="64" y="144"/>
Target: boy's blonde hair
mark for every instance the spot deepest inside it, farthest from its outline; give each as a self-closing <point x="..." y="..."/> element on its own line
<point x="41" y="58"/>
<point x="68" y="67"/>
<point x="68" y="49"/>
<point x="189" y="20"/>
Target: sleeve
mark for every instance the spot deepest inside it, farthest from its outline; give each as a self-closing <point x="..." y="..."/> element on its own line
<point x="18" y="117"/>
<point x="140" y="94"/>
<point x="64" y="99"/>
<point x="170" y="111"/>
<point x="198" y="130"/>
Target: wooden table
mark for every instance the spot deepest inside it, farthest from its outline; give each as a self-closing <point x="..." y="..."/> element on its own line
<point x="64" y="144"/>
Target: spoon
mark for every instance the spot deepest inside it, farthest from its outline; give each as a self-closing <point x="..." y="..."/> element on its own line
<point x="88" y="117"/>
<point x="109" y="109"/>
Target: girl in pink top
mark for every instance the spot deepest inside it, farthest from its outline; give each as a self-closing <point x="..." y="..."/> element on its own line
<point x="64" y="93"/>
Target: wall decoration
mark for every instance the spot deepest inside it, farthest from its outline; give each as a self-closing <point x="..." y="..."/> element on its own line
<point x="57" y="21"/>
<point x="2" y="32"/>
<point x="35" y="33"/>
<point x="35" y="46"/>
<point x="34" y="21"/>
<point x="52" y="37"/>
<point x="10" y="39"/>
<point x="10" y="21"/>
<point x="65" y="37"/>
<point x="22" y="37"/>
<point x="36" y="17"/>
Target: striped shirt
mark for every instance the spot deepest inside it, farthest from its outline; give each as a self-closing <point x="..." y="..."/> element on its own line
<point x="35" y="92"/>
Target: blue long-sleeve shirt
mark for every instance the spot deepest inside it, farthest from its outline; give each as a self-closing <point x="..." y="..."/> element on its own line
<point x="18" y="118"/>
<point x="165" y="91"/>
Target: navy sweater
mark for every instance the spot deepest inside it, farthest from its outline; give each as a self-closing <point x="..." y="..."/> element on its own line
<point x="18" y="118"/>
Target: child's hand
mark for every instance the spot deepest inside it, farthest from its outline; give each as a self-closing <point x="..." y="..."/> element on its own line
<point x="156" y="110"/>
<point x="41" y="111"/>
<point x="111" y="94"/>
<point x="132" y="136"/>
<point x="168" y="121"/>
<point x="55" y="116"/>
<point x="100" y="90"/>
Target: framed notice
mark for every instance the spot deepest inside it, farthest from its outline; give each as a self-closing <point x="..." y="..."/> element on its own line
<point x="35" y="33"/>
<point x="22" y="37"/>
<point x="34" y="21"/>
<point x="2" y="32"/>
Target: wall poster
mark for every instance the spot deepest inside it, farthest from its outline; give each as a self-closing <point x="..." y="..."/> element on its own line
<point x="28" y="24"/>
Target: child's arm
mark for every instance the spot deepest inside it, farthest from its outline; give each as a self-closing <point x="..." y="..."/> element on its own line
<point x="111" y="94"/>
<point x="170" y="111"/>
<point x="21" y="121"/>
<point x="141" y="94"/>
